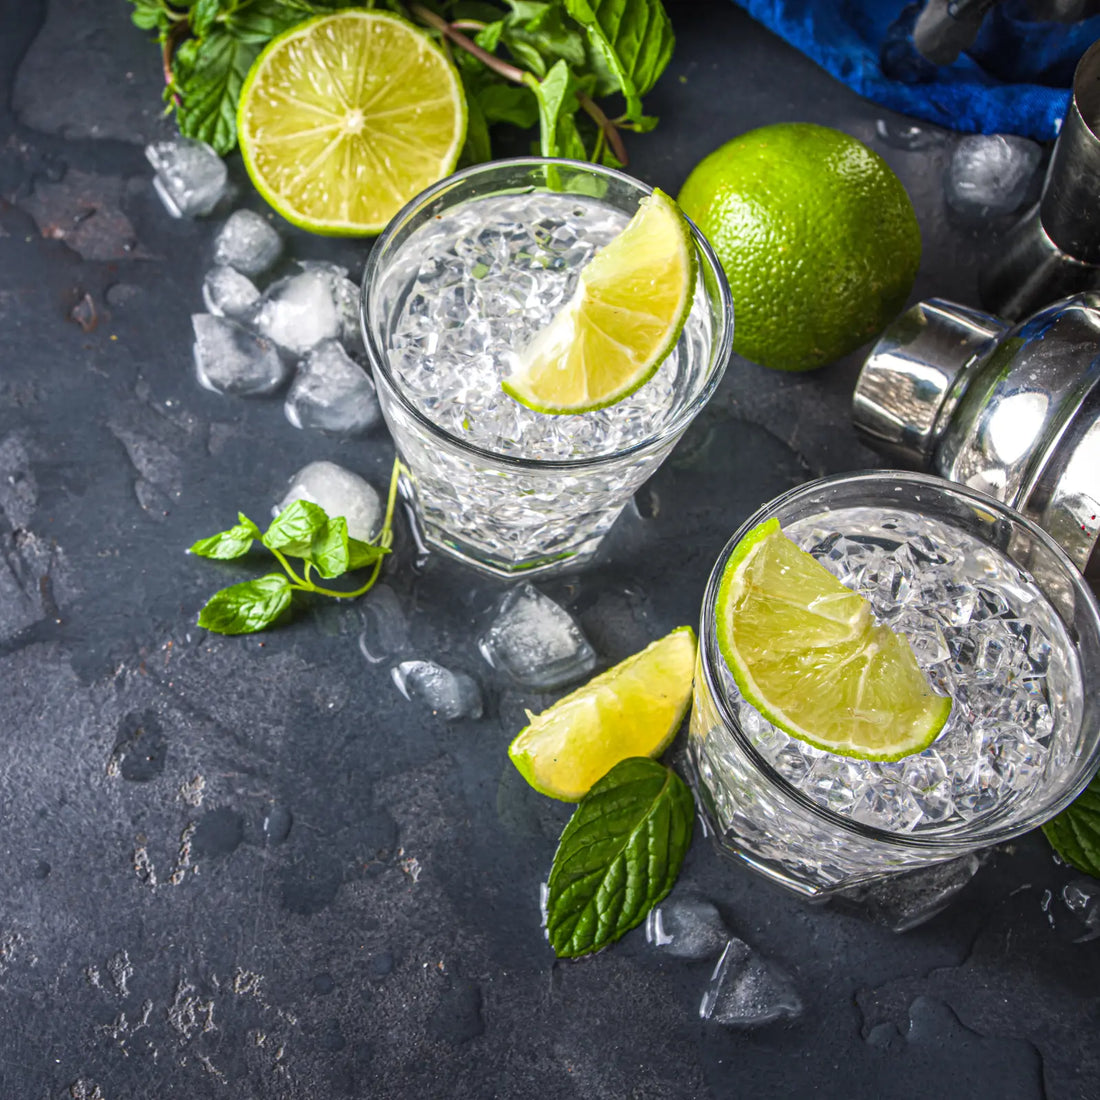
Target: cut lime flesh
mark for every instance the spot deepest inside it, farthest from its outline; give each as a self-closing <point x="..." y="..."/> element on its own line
<point x="807" y="653"/>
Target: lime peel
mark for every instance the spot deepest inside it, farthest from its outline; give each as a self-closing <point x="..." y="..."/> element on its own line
<point x="807" y="653"/>
<point x="632" y="709"/>
<point x="625" y="317"/>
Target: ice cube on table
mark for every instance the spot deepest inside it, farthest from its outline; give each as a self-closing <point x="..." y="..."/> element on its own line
<point x="298" y="312"/>
<point x="536" y="642"/>
<point x="902" y="902"/>
<point x="190" y="176"/>
<point x="449" y="694"/>
<point x="1082" y="898"/>
<point x="247" y="242"/>
<point x="385" y="627"/>
<point x="340" y="493"/>
<point x="687" y="928"/>
<point x="345" y="295"/>
<point x="990" y="174"/>
<point x="746" y="990"/>
<point x="908" y="135"/>
<point x="228" y="293"/>
<point x="230" y="359"/>
<point x="332" y="393"/>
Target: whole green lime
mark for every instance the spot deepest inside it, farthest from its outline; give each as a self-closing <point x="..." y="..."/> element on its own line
<point x="817" y="237"/>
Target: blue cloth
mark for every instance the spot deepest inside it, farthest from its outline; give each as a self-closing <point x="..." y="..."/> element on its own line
<point x="1015" y="78"/>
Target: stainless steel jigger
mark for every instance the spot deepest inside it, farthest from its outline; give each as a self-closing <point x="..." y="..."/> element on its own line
<point x="1055" y="249"/>
<point x="1010" y="410"/>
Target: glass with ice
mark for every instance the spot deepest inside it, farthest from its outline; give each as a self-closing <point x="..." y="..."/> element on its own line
<point x="458" y="284"/>
<point x="998" y="619"/>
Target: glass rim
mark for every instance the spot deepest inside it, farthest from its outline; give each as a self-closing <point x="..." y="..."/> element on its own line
<point x="721" y="347"/>
<point x="711" y="657"/>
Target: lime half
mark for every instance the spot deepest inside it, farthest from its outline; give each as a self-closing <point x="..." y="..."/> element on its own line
<point x="626" y="315"/>
<point x="808" y="654"/>
<point x="346" y="117"/>
<point x="633" y="709"/>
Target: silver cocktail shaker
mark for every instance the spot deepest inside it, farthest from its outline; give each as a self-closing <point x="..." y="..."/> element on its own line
<point x="1010" y="410"/>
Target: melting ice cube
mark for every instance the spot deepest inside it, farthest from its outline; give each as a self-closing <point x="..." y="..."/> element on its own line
<point x="230" y="359"/>
<point x="450" y="694"/>
<point x="190" y="176"/>
<point x="536" y="642"/>
<point x="990" y="174"/>
<point x="247" y="242"/>
<point x="746" y="990"/>
<point x="340" y="492"/>
<point x="228" y="293"/>
<point x="345" y="296"/>
<point x="688" y="928"/>
<point x="332" y="393"/>
<point x="299" y="312"/>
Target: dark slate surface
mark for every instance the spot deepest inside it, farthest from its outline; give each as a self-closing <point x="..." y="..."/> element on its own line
<point x="380" y="934"/>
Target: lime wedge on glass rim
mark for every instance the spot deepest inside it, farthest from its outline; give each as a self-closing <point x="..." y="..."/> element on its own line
<point x="344" y="118"/>
<point x="624" y="318"/>
<point x="632" y="709"/>
<point x="806" y="652"/>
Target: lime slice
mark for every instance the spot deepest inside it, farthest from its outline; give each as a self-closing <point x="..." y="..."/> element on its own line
<point x="808" y="654"/>
<point x="346" y="117"/>
<point x="626" y="315"/>
<point x="633" y="709"/>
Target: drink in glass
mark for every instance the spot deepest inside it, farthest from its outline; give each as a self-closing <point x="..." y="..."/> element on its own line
<point x="999" y="620"/>
<point x="457" y="286"/>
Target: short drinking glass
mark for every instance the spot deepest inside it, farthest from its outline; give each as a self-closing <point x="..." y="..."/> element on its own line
<point x="998" y="618"/>
<point x="460" y="281"/>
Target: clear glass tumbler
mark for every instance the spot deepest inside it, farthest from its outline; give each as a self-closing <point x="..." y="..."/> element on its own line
<point x="462" y="277"/>
<point x="999" y="619"/>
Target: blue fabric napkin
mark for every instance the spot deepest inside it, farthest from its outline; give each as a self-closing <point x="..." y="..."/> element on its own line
<point x="1015" y="79"/>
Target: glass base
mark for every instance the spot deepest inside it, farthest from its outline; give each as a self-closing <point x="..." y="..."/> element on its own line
<point x="434" y="537"/>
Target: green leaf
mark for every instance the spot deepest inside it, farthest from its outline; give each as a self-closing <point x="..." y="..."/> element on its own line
<point x="292" y="531"/>
<point x="150" y="15"/>
<point x="203" y="14"/>
<point x="1075" y="833"/>
<point x="632" y="39"/>
<point x="557" y="100"/>
<point x="247" y="607"/>
<point x="511" y="103"/>
<point x="618" y="856"/>
<point x="540" y="34"/>
<point x="363" y="553"/>
<point x="257" y="22"/>
<point x="228" y="544"/>
<point x="329" y="549"/>
<point x="208" y="78"/>
<point x="477" y="147"/>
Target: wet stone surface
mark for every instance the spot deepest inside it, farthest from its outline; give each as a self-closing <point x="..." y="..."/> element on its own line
<point x="250" y="867"/>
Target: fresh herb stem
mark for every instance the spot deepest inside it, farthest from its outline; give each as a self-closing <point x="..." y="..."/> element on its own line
<point x="296" y="581"/>
<point x="608" y="129"/>
<point x="490" y="61"/>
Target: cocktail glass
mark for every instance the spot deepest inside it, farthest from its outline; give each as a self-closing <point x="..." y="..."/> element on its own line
<point x="462" y="277"/>
<point x="1000" y="620"/>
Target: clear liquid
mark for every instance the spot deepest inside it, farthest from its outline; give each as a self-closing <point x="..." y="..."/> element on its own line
<point x="472" y="287"/>
<point x="984" y="634"/>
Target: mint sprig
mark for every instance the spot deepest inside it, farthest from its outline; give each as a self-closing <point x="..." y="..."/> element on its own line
<point x="302" y="530"/>
<point x="618" y="856"/>
<point x="1075" y="833"/>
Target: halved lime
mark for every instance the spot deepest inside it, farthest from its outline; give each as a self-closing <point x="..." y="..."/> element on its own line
<point x="346" y="117"/>
<point x="806" y="652"/>
<point x="633" y="709"/>
<point x="626" y="315"/>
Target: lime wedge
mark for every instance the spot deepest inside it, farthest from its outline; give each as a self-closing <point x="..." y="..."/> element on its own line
<point x="807" y="653"/>
<point x="346" y="117"/>
<point x="626" y="315"/>
<point x="633" y="709"/>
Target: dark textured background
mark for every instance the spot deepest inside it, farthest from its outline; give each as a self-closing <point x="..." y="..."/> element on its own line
<point x="155" y="939"/>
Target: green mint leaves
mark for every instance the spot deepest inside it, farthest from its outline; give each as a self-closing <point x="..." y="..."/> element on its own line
<point x="1075" y="833"/>
<point x="618" y="856"/>
<point x="523" y="63"/>
<point x="301" y="530"/>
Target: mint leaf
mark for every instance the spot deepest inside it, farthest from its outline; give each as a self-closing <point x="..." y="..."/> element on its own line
<point x="538" y="34"/>
<point x="557" y="99"/>
<point x="208" y="78"/>
<point x="247" y="607"/>
<point x="329" y="549"/>
<point x="511" y="103"/>
<point x="292" y="531"/>
<point x="230" y="544"/>
<point x="618" y="856"/>
<point x="150" y="15"/>
<point x="203" y="14"/>
<point x="363" y="553"/>
<point x="1075" y="833"/>
<point x="632" y="40"/>
<point x="257" y="22"/>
